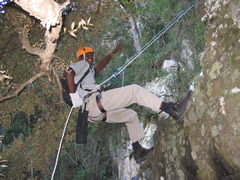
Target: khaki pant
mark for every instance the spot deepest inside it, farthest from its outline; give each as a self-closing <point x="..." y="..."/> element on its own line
<point x="115" y="102"/>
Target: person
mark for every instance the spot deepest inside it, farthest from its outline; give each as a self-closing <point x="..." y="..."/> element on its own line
<point x="111" y="106"/>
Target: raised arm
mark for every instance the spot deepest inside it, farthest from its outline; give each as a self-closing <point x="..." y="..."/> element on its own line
<point x="106" y="60"/>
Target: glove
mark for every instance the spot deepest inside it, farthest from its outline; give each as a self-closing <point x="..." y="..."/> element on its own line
<point x="76" y="100"/>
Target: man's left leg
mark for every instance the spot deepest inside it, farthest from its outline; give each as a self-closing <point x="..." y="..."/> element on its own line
<point x="135" y="131"/>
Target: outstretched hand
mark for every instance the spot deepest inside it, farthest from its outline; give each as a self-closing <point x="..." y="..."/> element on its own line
<point x="105" y="61"/>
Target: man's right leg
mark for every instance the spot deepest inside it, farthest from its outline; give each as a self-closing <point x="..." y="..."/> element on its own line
<point x="132" y="94"/>
<point x="125" y="96"/>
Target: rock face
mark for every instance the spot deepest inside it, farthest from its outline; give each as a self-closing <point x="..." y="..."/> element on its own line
<point x="213" y="118"/>
<point x="207" y="145"/>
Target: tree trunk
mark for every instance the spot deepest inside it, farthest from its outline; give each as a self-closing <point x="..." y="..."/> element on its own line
<point x="134" y="29"/>
<point x="135" y="33"/>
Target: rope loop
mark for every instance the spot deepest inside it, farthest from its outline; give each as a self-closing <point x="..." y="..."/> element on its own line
<point x="114" y="75"/>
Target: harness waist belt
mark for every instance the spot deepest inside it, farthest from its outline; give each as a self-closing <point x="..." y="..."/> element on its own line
<point x="100" y="106"/>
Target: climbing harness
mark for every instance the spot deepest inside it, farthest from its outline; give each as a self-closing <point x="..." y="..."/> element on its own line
<point x="60" y="144"/>
<point x="121" y="69"/>
<point x="100" y="106"/>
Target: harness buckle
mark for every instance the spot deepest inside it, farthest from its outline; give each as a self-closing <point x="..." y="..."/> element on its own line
<point x="86" y="100"/>
<point x="100" y="106"/>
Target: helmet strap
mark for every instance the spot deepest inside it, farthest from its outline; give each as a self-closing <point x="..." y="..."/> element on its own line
<point x="84" y="58"/>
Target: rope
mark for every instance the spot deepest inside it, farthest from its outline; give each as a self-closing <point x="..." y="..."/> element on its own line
<point x="179" y="16"/>
<point x="123" y="78"/>
<point x="60" y="145"/>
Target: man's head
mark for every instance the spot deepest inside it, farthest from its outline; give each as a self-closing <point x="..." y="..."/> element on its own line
<point x="85" y="53"/>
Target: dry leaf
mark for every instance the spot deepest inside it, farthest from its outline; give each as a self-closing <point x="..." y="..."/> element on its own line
<point x="88" y="21"/>
<point x="73" y="25"/>
<point x="72" y="33"/>
<point x="84" y="27"/>
<point x="79" y="24"/>
<point x="83" y="22"/>
<point x="3" y="161"/>
<point x="3" y="76"/>
<point x="74" y="30"/>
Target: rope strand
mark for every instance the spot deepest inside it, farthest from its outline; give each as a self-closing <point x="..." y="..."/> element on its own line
<point x="60" y="144"/>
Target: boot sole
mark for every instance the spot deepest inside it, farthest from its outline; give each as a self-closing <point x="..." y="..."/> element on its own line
<point x="138" y="161"/>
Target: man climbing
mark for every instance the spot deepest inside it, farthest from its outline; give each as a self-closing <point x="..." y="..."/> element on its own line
<point x="110" y="106"/>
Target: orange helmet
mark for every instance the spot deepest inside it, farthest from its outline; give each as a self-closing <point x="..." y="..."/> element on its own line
<point x="82" y="51"/>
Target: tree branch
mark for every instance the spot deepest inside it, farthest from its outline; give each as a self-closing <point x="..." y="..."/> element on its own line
<point x="26" y="44"/>
<point x="50" y="15"/>
<point x="22" y="86"/>
<point x="58" y="58"/>
<point x="134" y="28"/>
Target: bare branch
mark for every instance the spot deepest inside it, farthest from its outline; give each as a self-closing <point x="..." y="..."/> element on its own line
<point x="47" y="11"/>
<point x="58" y="58"/>
<point x="50" y="14"/>
<point x="22" y="86"/>
<point x="51" y="40"/>
<point x="134" y="28"/>
<point x="26" y="44"/>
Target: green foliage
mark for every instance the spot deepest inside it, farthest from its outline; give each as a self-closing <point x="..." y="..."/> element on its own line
<point x="21" y="125"/>
<point x="93" y="160"/>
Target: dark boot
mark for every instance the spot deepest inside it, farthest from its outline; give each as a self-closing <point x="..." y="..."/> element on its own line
<point x="181" y="105"/>
<point x="177" y="115"/>
<point x="177" y="109"/>
<point x="141" y="154"/>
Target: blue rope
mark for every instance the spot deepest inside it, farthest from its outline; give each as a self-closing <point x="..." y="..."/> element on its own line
<point x="179" y="16"/>
<point x="123" y="78"/>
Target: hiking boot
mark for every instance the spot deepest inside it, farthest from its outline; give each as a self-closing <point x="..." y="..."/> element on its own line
<point x="178" y="108"/>
<point x="141" y="154"/>
<point x="175" y="114"/>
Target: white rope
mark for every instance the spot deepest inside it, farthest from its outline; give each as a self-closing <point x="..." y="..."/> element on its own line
<point x="60" y="145"/>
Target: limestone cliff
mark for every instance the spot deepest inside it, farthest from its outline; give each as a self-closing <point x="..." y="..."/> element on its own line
<point x="207" y="145"/>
